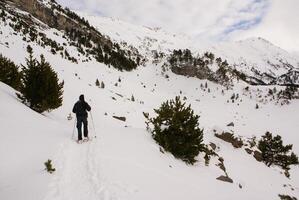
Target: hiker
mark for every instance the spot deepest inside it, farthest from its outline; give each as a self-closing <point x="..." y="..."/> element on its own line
<point x="80" y="108"/>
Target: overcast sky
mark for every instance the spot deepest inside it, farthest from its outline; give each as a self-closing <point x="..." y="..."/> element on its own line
<point x="206" y="20"/>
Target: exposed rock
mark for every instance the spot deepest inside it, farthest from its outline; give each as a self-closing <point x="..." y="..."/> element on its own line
<point x="286" y="197"/>
<point x="225" y="179"/>
<point x="191" y="71"/>
<point x="54" y="16"/>
<point x="290" y="78"/>
<point x="58" y="20"/>
<point x="209" y="151"/>
<point x="258" y="156"/>
<point x="229" y="137"/>
<point x="231" y="124"/>
<point x="249" y="151"/>
<point x="207" y="159"/>
<point x="119" y="95"/>
<point x="120" y="118"/>
<point x="221" y="166"/>
<point x="213" y="146"/>
<point x="221" y="159"/>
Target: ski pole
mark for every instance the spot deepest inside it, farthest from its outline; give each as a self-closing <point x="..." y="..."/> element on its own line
<point x="95" y="133"/>
<point x="74" y="128"/>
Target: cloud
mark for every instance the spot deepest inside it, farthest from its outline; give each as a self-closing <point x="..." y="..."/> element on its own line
<point x="280" y="25"/>
<point x="206" y="20"/>
<point x="239" y="15"/>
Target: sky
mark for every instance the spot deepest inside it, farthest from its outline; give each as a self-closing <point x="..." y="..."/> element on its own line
<point x="206" y="20"/>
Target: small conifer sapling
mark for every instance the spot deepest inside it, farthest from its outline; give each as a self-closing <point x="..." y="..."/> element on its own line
<point x="49" y="166"/>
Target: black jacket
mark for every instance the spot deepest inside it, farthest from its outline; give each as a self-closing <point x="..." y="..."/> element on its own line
<point x="81" y="108"/>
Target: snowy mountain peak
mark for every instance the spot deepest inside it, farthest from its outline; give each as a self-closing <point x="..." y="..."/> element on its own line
<point x="256" y="39"/>
<point x="257" y="58"/>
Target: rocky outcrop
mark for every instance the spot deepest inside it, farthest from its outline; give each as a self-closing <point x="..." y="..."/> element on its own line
<point x="80" y="33"/>
<point x="230" y="138"/>
<point x="55" y="17"/>
<point x="225" y="179"/>
<point x="182" y="62"/>
<point x="120" y="118"/>
<point x="191" y="71"/>
<point x="249" y="151"/>
<point x="231" y="124"/>
<point x="291" y="79"/>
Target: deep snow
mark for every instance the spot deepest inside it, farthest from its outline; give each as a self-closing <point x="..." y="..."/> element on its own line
<point x="124" y="162"/>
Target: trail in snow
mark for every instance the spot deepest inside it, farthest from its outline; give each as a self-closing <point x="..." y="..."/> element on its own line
<point x="77" y="175"/>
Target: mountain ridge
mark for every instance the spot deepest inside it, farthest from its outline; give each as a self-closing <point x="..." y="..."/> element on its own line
<point x="259" y="61"/>
<point x="84" y="37"/>
<point x="255" y="53"/>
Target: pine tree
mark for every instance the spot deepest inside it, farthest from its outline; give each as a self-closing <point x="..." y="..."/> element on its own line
<point x="176" y="129"/>
<point x="9" y="73"/>
<point x="102" y="85"/>
<point x="97" y="83"/>
<point x="274" y="152"/>
<point x="132" y="98"/>
<point x="3" y="14"/>
<point x="290" y="92"/>
<point x="234" y="96"/>
<point x="40" y="89"/>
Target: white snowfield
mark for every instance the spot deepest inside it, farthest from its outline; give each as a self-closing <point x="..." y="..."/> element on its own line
<point x="251" y="54"/>
<point x="123" y="161"/>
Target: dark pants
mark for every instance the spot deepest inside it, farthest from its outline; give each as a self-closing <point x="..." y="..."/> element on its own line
<point x="81" y="120"/>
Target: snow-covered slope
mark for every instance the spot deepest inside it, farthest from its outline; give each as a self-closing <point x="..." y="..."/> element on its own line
<point x="123" y="161"/>
<point x="258" y="58"/>
<point x="146" y="39"/>
<point x="255" y="57"/>
<point x="28" y="139"/>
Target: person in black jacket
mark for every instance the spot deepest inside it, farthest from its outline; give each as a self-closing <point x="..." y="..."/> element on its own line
<point x="80" y="108"/>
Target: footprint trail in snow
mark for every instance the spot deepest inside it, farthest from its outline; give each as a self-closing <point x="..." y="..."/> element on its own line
<point x="77" y="177"/>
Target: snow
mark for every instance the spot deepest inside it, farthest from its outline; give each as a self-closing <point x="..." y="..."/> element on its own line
<point x="123" y="161"/>
<point x="256" y="53"/>
<point x="250" y="54"/>
<point x="145" y="39"/>
<point x="27" y="140"/>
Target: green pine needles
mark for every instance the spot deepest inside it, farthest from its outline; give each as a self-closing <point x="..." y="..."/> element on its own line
<point x="40" y="89"/>
<point x="49" y="168"/>
<point x="9" y="73"/>
<point x="176" y="129"/>
<point x="275" y="153"/>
